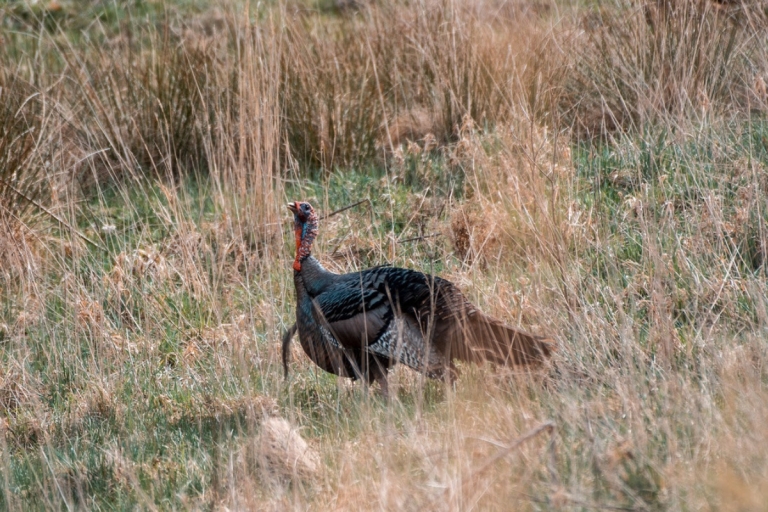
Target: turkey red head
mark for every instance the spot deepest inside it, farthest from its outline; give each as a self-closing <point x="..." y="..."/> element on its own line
<point x="305" y="230"/>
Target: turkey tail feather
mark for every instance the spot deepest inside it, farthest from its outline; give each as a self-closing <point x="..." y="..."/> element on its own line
<point x="488" y="339"/>
<point x="287" y="335"/>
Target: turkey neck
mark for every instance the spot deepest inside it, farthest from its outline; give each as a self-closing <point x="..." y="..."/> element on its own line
<point x="303" y="309"/>
<point x="312" y="342"/>
<point x="313" y="277"/>
<point x="305" y="230"/>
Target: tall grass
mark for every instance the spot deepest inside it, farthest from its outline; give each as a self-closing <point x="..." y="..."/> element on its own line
<point x="366" y="83"/>
<point x="646" y="63"/>
<point x="28" y="152"/>
<point x="142" y="369"/>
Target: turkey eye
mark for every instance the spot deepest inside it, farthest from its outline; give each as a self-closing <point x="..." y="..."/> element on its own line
<point x="304" y="207"/>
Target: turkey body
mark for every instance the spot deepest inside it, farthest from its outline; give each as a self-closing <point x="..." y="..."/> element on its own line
<point x="361" y="324"/>
<point x="364" y="322"/>
<point x="325" y="351"/>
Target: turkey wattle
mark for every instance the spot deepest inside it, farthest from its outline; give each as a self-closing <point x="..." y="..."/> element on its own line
<point x="360" y="324"/>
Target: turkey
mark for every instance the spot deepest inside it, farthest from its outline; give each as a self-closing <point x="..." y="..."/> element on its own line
<point x="359" y="325"/>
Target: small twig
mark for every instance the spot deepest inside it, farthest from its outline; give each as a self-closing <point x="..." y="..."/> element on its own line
<point x="598" y="506"/>
<point x="50" y="214"/>
<point x="366" y="200"/>
<point x="547" y="426"/>
<point x="418" y="238"/>
<point x="580" y="503"/>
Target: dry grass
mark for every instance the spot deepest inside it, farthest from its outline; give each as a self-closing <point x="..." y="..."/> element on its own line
<point x="146" y="278"/>
<point x="665" y="62"/>
<point x="369" y="82"/>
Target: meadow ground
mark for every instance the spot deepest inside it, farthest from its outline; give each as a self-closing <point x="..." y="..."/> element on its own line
<point x="594" y="171"/>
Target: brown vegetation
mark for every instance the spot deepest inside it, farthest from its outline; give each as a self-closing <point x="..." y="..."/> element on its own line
<point x="598" y="174"/>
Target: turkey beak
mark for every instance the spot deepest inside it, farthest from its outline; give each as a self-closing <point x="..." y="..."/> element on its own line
<point x="293" y="207"/>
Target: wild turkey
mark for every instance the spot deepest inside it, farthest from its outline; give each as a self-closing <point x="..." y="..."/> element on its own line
<point x="361" y="324"/>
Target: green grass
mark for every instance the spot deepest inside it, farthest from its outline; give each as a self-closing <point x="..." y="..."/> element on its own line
<point x="155" y="415"/>
<point x="163" y="416"/>
<point x="138" y="371"/>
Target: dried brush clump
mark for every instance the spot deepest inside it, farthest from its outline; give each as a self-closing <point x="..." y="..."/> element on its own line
<point x="662" y="61"/>
<point x="473" y="235"/>
<point x="20" y="249"/>
<point x="516" y="188"/>
<point x="145" y="110"/>
<point x="17" y="388"/>
<point x="97" y="402"/>
<point x="415" y="126"/>
<point x="400" y="73"/>
<point x="283" y="453"/>
<point x="173" y="101"/>
<point x="27" y="153"/>
<point x="22" y="132"/>
<point x="25" y="419"/>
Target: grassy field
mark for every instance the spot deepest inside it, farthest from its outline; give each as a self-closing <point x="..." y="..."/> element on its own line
<point x="594" y="171"/>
